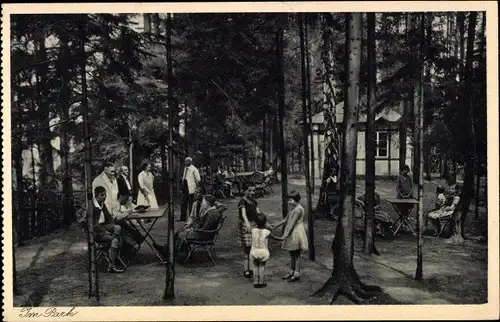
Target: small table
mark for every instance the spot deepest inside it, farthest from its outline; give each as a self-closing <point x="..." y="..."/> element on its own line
<point x="150" y="214"/>
<point x="403" y="219"/>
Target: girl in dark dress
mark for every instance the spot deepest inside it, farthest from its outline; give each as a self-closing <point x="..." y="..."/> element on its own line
<point x="248" y="210"/>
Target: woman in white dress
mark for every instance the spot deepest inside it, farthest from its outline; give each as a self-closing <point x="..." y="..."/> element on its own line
<point x="146" y="195"/>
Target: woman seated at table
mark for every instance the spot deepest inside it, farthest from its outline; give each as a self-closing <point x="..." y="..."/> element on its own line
<point x="206" y="214"/>
<point x="447" y="210"/>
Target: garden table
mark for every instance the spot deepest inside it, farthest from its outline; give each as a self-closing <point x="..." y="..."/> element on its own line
<point x="149" y="214"/>
<point x="403" y="220"/>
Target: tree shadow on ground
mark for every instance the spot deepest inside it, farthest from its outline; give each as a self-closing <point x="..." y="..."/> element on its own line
<point x="41" y="278"/>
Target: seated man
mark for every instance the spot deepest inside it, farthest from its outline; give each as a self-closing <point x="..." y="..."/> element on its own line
<point x="205" y="215"/>
<point x="222" y="183"/>
<point x="104" y="228"/>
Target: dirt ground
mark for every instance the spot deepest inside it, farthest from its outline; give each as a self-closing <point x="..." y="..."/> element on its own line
<point x="53" y="270"/>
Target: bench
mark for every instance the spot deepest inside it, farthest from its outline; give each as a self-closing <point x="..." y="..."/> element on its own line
<point x="205" y="239"/>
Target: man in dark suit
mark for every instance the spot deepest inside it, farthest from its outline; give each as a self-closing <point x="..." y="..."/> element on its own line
<point x="206" y="216"/>
<point x="124" y="186"/>
<point x="104" y="228"/>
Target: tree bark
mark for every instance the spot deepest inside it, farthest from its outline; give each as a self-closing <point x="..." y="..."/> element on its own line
<point x="420" y="182"/>
<point x="156" y="23"/>
<point x="306" y="126"/>
<point x="93" y="273"/>
<point x="460" y="214"/>
<point x="68" y="210"/>
<point x="281" y="104"/>
<point x="147" y="22"/>
<point x="169" y="293"/>
<point x="369" y="246"/>
<point x="264" y="143"/>
<point x="478" y="160"/>
<point x="46" y="157"/>
<point x="332" y="140"/>
<point x="344" y="279"/>
<point x="309" y="107"/>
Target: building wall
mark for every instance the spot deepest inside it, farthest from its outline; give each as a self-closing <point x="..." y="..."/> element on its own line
<point x="387" y="166"/>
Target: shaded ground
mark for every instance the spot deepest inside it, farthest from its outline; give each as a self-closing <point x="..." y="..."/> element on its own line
<point x="53" y="271"/>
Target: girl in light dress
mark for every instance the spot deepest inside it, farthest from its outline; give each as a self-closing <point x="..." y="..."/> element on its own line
<point x="294" y="237"/>
<point x="259" y="252"/>
<point x="146" y="195"/>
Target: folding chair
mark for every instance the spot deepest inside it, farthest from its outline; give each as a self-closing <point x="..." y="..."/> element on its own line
<point x="204" y="239"/>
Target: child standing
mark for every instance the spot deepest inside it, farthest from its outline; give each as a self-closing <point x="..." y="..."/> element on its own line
<point x="294" y="237"/>
<point x="259" y="252"/>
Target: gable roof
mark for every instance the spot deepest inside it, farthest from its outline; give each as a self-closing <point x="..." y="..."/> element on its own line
<point x="390" y="114"/>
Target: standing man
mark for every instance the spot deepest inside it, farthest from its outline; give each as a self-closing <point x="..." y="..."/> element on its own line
<point x="124" y="187"/>
<point x="190" y="183"/>
<point x="107" y="179"/>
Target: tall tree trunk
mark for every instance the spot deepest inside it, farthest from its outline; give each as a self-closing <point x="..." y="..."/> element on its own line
<point x="68" y="210"/>
<point x="369" y="246"/>
<point x="415" y="97"/>
<point x="281" y="105"/>
<point x="300" y="157"/>
<point x="308" y="107"/>
<point x="427" y="41"/>
<point x="420" y="122"/>
<point x="18" y="184"/>
<point x="477" y="170"/>
<point x="264" y="142"/>
<point x="403" y="125"/>
<point x="271" y="140"/>
<point x="169" y="293"/>
<point x="93" y="273"/>
<point x="344" y="279"/>
<point x="332" y="140"/>
<point x="156" y="23"/>
<point x="147" y="22"/>
<point x="467" y="114"/>
<point x="306" y="126"/>
<point x="46" y="157"/>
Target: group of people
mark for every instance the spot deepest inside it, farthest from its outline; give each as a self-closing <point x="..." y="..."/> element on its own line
<point x="112" y="200"/>
<point x="447" y="199"/>
<point x="255" y="231"/>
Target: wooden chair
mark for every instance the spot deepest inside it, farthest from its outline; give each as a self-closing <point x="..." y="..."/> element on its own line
<point x="102" y="248"/>
<point x="204" y="239"/>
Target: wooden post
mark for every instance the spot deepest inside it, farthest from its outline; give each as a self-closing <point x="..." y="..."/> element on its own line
<point x="281" y="105"/>
<point x="306" y="131"/>
<point x="93" y="274"/>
